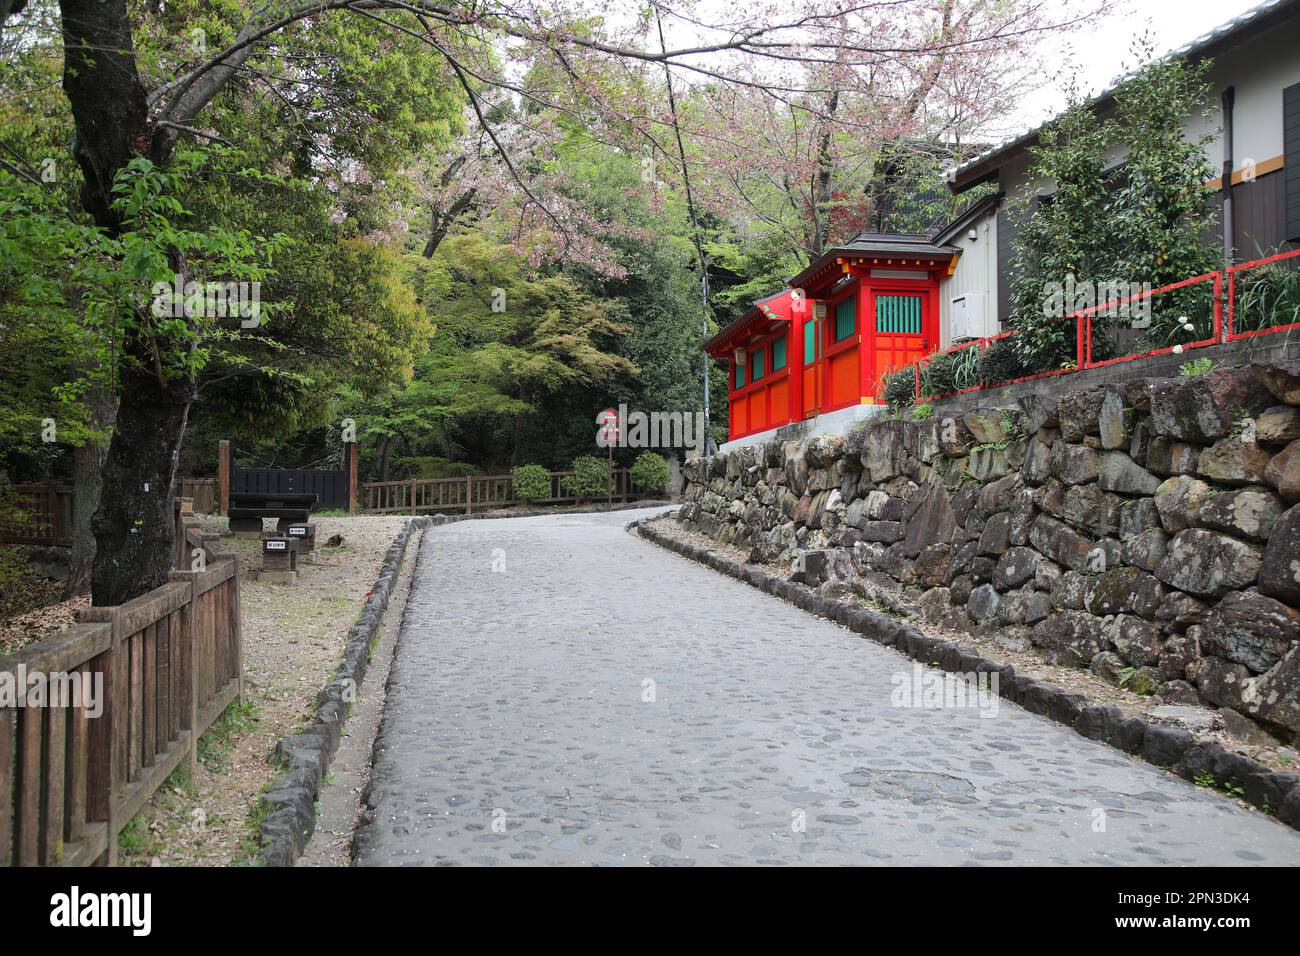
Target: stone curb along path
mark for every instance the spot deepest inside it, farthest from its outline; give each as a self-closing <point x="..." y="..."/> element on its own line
<point x="1169" y="748"/>
<point x="289" y="803"/>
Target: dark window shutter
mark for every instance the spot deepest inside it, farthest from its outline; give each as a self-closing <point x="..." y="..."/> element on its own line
<point x="1291" y="146"/>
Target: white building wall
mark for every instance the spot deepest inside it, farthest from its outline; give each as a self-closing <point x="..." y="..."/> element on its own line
<point x="976" y="272"/>
<point x="1258" y="71"/>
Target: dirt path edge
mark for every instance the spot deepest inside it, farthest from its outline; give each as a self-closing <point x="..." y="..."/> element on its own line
<point x="288" y="807"/>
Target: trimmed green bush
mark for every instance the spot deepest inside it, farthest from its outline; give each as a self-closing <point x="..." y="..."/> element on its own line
<point x="1000" y="363"/>
<point x="649" y="473"/>
<point x="900" y="387"/>
<point x="937" y="375"/>
<point x="590" y="478"/>
<point x="531" y="483"/>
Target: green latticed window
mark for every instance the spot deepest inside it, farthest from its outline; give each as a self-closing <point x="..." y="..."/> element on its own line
<point x="846" y="314"/>
<point x="899" y="314"/>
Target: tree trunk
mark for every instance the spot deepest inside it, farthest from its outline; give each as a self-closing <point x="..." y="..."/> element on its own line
<point x="106" y="96"/>
<point x="517" y="438"/>
<point x="381" y="453"/>
<point x="823" y="191"/>
<point x="134" y="525"/>
<point x="881" y="189"/>
<point x="440" y="223"/>
<point x="87" y="480"/>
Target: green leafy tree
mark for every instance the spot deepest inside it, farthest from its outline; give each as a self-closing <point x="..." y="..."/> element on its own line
<point x="1145" y="221"/>
<point x="141" y="215"/>
<point x="1067" y="234"/>
<point x="1162" y="214"/>
<point x="512" y="337"/>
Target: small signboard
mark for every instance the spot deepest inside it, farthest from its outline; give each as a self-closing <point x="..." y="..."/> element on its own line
<point x="608" y="420"/>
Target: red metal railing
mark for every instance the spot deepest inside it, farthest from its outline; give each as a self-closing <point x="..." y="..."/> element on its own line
<point x="1292" y="257"/>
<point x="1084" y="322"/>
<point x="1226" y="303"/>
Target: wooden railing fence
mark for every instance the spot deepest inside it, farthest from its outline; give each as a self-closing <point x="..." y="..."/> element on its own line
<point x="156" y="672"/>
<point x="480" y="492"/>
<point x="40" y="512"/>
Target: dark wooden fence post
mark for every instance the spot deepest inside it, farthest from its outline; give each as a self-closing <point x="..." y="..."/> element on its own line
<point x="223" y="475"/>
<point x="350" y="463"/>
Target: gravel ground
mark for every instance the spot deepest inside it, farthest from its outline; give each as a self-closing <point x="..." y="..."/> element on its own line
<point x="293" y="637"/>
<point x="1029" y="663"/>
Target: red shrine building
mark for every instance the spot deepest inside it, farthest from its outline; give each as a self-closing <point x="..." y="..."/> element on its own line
<point x="811" y="358"/>
<point x="819" y="350"/>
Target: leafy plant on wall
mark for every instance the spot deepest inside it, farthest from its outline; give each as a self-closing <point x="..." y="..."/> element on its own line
<point x="1067" y="233"/>
<point x="1162" y="214"/>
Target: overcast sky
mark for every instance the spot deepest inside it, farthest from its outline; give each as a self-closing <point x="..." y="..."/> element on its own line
<point x="1103" y="53"/>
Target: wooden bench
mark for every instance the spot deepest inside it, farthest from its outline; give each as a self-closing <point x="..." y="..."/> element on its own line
<point x="247" y="509"/>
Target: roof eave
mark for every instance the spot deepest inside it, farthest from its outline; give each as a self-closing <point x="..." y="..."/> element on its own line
<point x="968" y="216"/>
<point x="1261" y="19"/>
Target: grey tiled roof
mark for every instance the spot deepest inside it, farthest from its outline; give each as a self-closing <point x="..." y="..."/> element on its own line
<point x="1234" y="30"/>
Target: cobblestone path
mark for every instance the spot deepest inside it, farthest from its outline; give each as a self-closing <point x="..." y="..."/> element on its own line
<point x="598" y="700"/>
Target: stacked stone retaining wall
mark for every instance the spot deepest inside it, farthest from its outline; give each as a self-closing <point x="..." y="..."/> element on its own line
<point x="1148" y="529"/>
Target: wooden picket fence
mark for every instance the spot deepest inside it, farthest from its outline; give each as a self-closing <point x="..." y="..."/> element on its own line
<point x="202" y="491"/>
<point x="170" y="662"/>
<point x="37" y="513"/>
<point x="416" y="495"/>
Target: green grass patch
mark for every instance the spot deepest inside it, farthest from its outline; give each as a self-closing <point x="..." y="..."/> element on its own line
<point x="216" y="745"/>
<point x="250" y="845"/>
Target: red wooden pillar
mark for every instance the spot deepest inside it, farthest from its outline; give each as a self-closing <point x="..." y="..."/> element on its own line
<point x="223" y="475"/>
<point x="800" y="312"/>
<point x="820" y="378"/>
<point x="930" y="328"/>
<point x="866" y="345"/>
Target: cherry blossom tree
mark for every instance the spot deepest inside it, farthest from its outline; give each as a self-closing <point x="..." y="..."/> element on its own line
<point x="796" y="99"/>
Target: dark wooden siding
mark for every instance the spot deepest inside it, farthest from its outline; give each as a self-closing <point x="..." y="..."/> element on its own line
<point x="1006" y="230"/>
<point x="330" y="487"/>
<point x="1259" y="216"/>
<point x="1291" y="148"/>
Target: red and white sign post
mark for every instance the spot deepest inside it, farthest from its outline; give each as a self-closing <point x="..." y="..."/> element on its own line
<point x="609" y="432"/>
